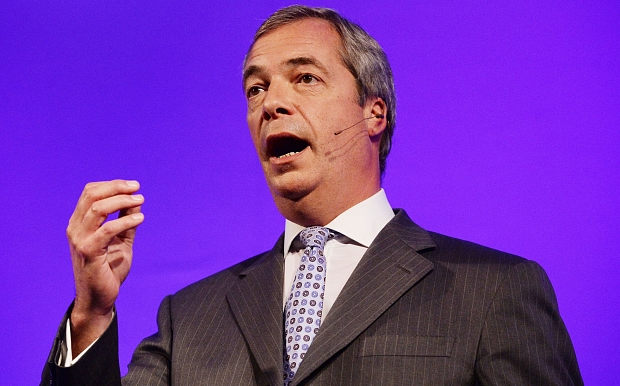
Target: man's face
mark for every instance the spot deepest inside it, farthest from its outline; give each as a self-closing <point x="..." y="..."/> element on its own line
<point x="299" y="93"/>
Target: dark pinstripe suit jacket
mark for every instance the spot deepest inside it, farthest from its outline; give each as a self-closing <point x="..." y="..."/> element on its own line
<point x="420" y="309"/>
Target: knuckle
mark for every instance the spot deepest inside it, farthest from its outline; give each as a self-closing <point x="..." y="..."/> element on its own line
<point x="106" y="229"/>
<point x="82" y="249"/>
<point x="71" y="231"/>
<point x="89" y="188"/>
<point x="88" y="194"/>
<point x="119" y="184"/>
<point x="96" y="209"/>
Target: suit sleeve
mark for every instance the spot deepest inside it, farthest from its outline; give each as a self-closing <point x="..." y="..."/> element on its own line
<point x="97" y="367"/>
<point x="150" y="363"/>
<point x="524" y="340"/>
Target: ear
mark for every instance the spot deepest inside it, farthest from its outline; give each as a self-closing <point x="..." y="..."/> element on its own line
<point x="376" y="110"/>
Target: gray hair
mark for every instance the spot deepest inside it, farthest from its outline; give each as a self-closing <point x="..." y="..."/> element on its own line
<point x="360" y="53"/>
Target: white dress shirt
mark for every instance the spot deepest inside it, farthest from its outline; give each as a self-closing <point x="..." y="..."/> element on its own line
<point x="357" y="227"/>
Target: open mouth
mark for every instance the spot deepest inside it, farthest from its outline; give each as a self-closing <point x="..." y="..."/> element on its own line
<point x="285" y="146"/>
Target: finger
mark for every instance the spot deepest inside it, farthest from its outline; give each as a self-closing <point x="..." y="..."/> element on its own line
<point x="132" y="210"/>
<point x="129" y="233"/>
<point x="95" y="191"/>
<point x="100" y="210"/>
<point x="100" y="240"/>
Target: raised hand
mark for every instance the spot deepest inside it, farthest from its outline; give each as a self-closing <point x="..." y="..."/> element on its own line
<point x="101" y="253"/>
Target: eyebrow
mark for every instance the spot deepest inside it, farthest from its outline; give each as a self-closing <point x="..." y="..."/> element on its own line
<point x="293" y="62"/>
<point x="250" y="71"/>
<point x="304" y="61"/>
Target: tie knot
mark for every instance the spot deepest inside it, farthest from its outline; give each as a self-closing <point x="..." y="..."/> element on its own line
<point x="315" y="236"/>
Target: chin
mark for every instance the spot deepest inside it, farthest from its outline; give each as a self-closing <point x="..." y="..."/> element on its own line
<point x="289" y="188"/>
<point x="290" y="193"/>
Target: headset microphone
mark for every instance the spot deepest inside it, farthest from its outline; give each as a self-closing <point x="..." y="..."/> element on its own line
<point x="378" y="116"/>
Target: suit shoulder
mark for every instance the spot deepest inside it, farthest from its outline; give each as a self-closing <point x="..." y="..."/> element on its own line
<point x="471" y="261"/>
<point x="440" y="248"/>
<point x="454" y="250"/>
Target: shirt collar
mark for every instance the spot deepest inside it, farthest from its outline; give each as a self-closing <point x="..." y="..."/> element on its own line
<point x="361" y="223"/>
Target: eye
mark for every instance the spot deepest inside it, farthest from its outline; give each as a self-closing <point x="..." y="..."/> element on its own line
<point x="308" y="79"/>
<point x="254" y="91"/>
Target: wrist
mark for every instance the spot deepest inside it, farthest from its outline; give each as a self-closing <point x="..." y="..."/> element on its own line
<point x="82" y="320"/>
<point x="90" y="308"/>
<point x="87" y="327"/>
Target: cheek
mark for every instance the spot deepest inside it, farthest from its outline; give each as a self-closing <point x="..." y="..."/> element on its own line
<point x="254" y="129"/>
<point x="254" y="104"/>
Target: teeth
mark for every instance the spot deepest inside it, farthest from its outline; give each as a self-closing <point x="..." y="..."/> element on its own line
<point x="288" y="154"/>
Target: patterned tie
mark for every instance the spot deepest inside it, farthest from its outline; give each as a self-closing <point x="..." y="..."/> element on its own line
<point x="302" y="315"/>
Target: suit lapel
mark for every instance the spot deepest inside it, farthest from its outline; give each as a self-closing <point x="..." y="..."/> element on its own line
<point x="388" y="269"/>
<point x="256" y="302"/>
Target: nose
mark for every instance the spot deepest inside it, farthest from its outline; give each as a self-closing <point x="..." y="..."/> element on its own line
<point x="277" y="100"/>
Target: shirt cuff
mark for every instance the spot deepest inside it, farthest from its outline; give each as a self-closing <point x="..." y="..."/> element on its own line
<point x="65" y="359"/>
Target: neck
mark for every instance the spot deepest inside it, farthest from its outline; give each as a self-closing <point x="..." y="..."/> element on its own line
<point x="321" y="201"/>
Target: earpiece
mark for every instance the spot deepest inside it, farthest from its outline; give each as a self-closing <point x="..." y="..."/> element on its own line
<point x="377" y="116"/>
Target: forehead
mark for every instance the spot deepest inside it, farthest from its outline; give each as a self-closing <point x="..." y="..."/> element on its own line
<point x="306" y="38"/>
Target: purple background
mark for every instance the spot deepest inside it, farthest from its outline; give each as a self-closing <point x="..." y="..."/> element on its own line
<point x="507" y="135"/>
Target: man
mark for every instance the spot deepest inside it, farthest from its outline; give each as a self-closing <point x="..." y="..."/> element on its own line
<point x="388" y="303"/>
